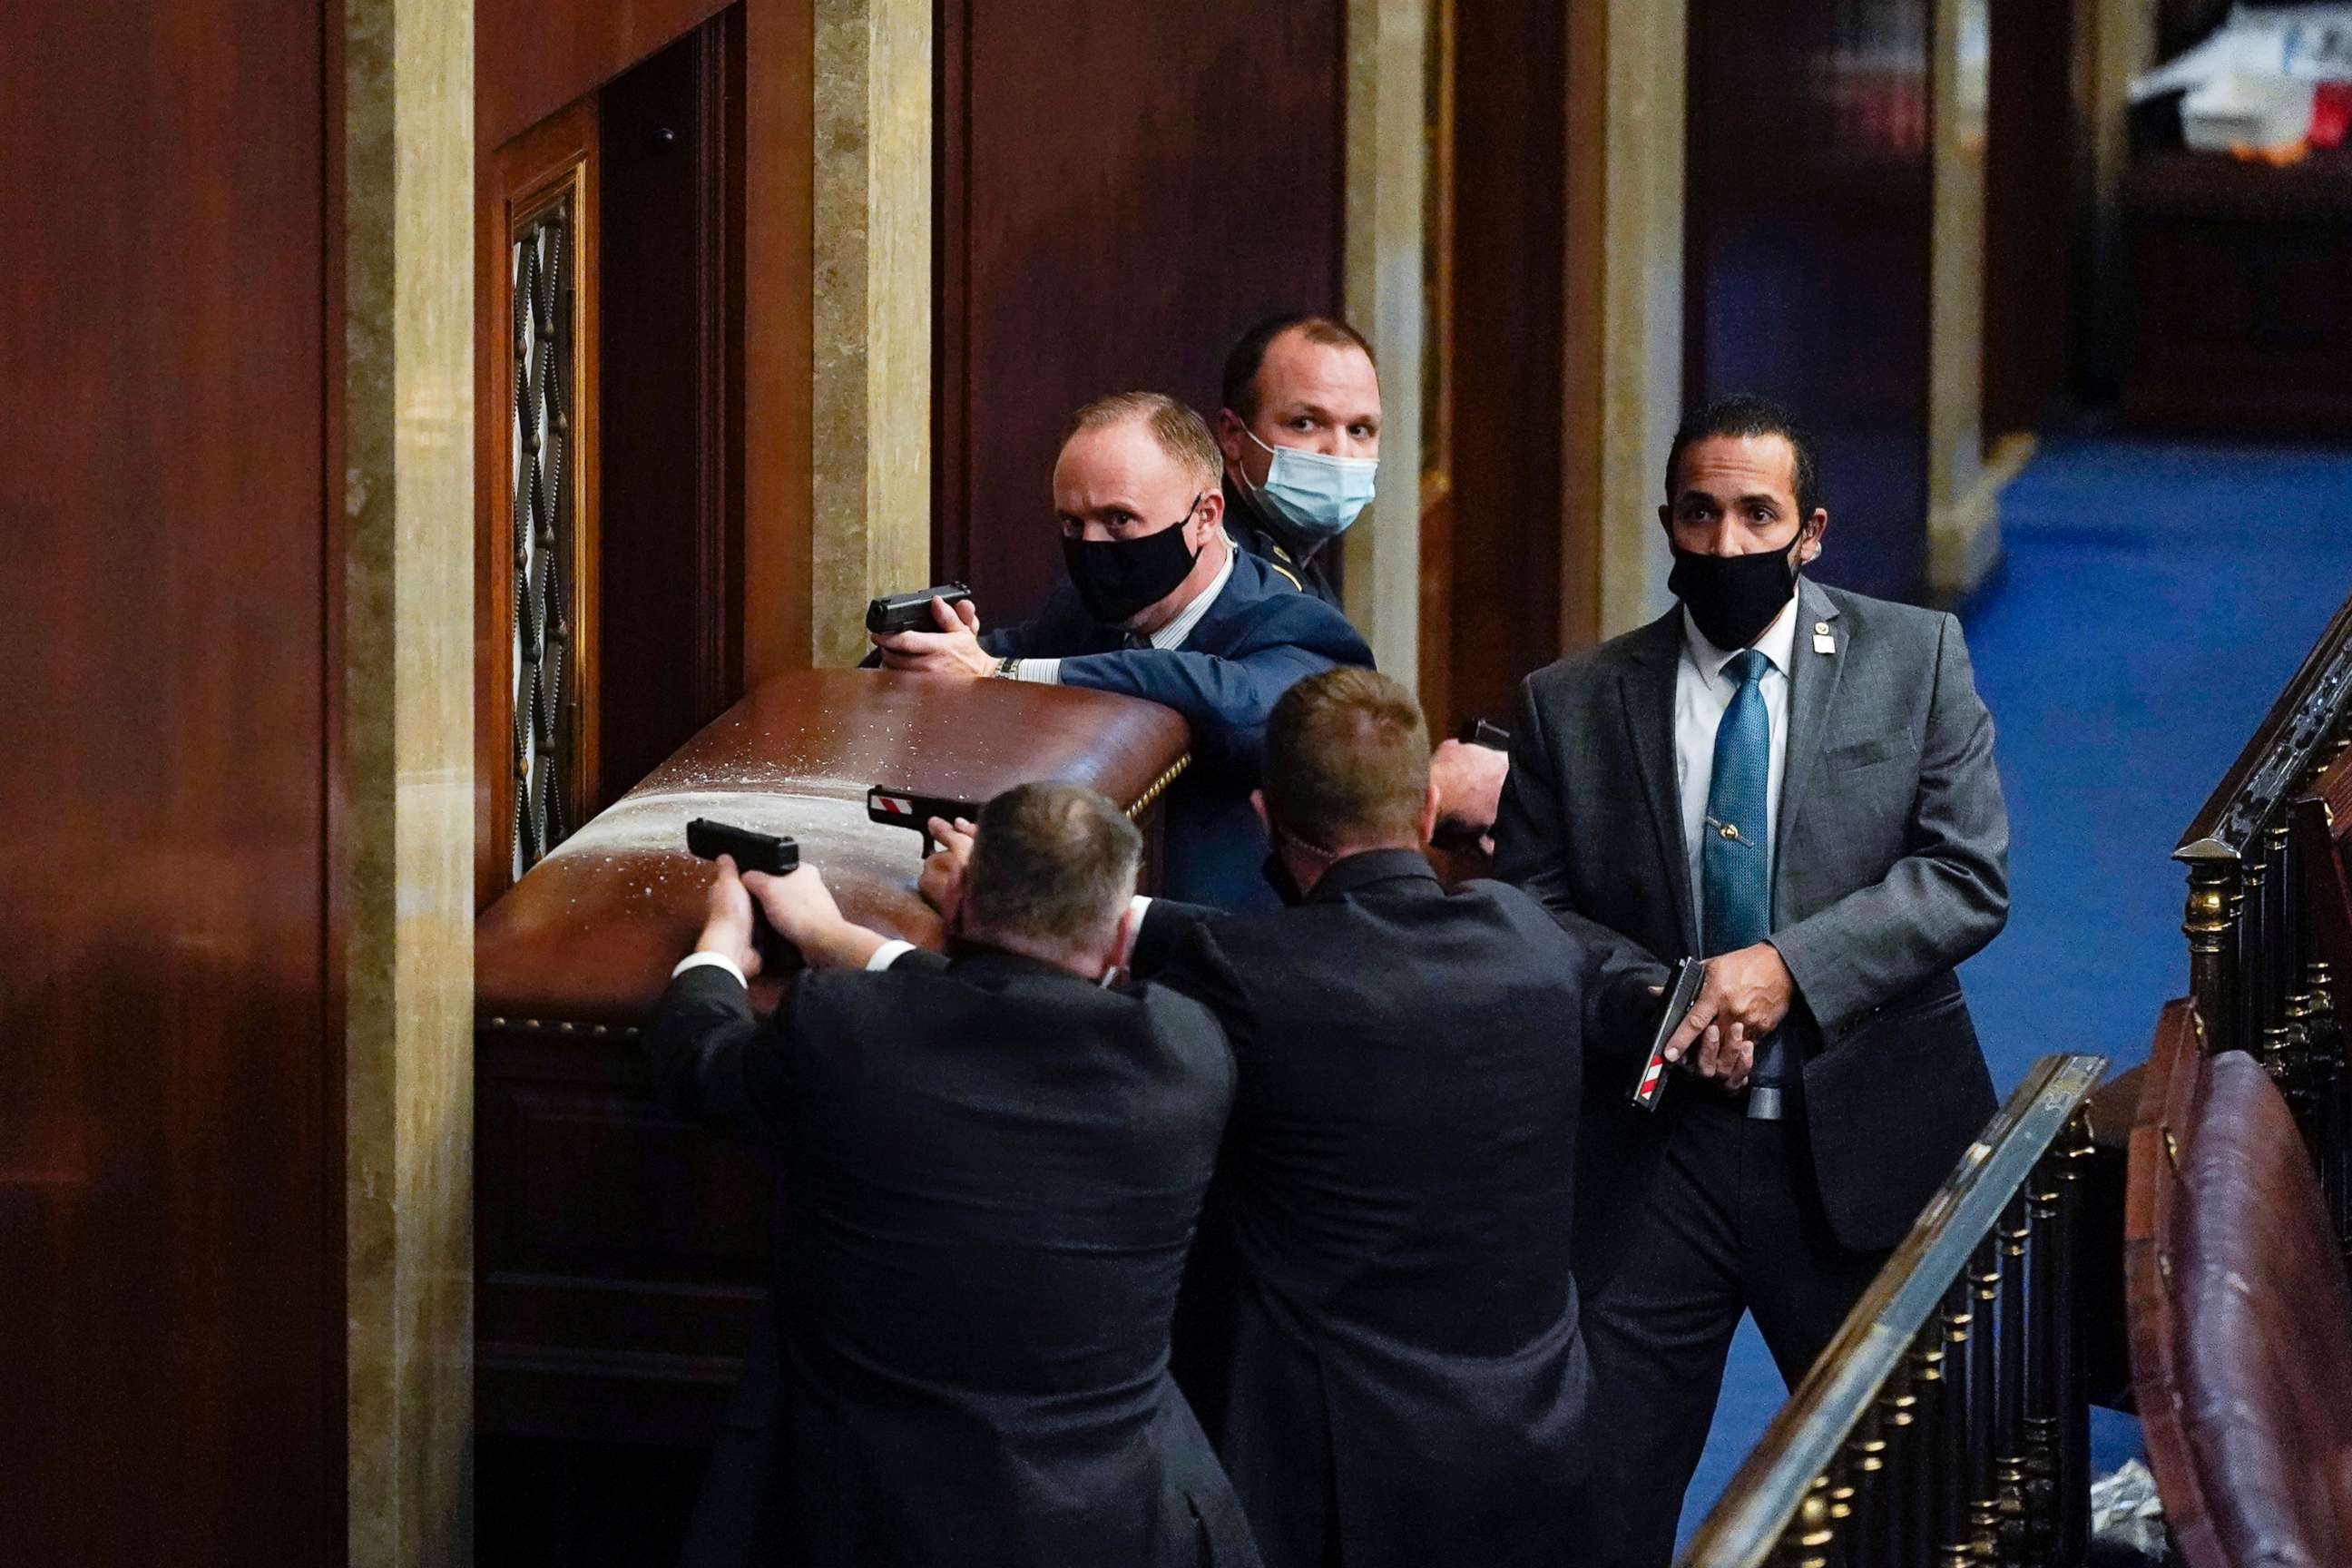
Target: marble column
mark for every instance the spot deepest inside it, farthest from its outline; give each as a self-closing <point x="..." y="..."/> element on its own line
<point x="1627" y="69"/>
<point x="403" y="816"/>
<point x="870" y="408"/>
<point x="1387" y="118"/>
<point x="1963" y="494"/>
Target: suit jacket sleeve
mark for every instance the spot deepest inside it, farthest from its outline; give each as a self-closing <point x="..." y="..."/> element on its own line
<point x="1946" y="895"/>
<point x="714" y="1062"/>
<point x="1227" y="698"/>
<point x="1531" y="849"/>
<point x="1166" y="924"/>
<point x="1197" y="969"/>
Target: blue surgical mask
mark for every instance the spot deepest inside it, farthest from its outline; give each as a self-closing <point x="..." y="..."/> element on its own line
<point x="1312" y="495"/>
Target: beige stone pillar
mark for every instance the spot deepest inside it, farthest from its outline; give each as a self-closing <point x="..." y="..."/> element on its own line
<point x="1963" y="495"/>
<point x="404" y="817"/>
<point x="1625" y="338"/>
<point x="1387" y="118"/>
<point x="870" y="395"/>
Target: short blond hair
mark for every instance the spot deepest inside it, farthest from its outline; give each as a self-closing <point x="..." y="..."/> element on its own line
<point x="1347" y="760"/>
<point x="1180" y="433"/>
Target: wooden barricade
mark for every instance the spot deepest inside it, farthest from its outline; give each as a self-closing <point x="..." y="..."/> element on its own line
<point x="621" y="1254"/>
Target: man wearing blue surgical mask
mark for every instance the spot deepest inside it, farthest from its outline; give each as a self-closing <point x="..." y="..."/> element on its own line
<point x="1300" y="430"/>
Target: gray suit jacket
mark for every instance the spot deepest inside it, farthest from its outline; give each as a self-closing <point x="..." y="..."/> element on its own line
<point x="1891" y="867"/>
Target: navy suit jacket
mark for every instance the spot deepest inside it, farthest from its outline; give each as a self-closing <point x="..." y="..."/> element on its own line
<point x="990" y="1173"/>
<point x="1259" y="638"/>
<point x="1401" y="1379"/>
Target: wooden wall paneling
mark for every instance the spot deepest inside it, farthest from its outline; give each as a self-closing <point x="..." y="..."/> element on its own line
<point x="1808" y="220"/>
<point x="533" y="57"/>
<point x="171" y="1312"/>
<point x="1508" y="298"/>
<point x="669" y="457"/>
<point x="778" y="163"/>
<point x="2029" y="180"/>
<point x="1437" y="375"/>
<point x="1118" y="238"/>
<point x="553" y="162"/>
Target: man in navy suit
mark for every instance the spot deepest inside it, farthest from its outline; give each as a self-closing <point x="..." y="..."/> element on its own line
<point x="1158" y="603"/>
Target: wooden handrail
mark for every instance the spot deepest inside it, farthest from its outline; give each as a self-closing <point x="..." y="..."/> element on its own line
<point x="1904" y="1366"/>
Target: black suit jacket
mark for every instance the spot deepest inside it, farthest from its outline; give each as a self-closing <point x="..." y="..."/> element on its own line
<point x="1406" y="1381"/>
<point x="1261" y="638"/>
<point x="1891" y="868"/>
<point x="989" y="1175"/>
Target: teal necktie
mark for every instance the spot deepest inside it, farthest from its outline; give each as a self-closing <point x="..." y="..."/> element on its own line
<point x="1735" y="868"/>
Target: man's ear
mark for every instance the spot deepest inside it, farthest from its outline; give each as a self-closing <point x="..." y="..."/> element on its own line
<point x="1810" y="535"/>
<point x="1230" y="439"/>
<point x="1667" y="519"/>
<point x="1122" y="943"/>
<point x="1429" y="814"/>
<point x="1210" y="514"/>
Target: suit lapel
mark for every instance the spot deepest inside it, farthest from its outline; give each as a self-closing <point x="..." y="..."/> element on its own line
<point x="1813" y="689"/>
<point x="1647" y="686"/>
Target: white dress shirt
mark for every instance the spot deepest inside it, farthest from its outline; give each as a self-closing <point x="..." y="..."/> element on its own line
<point x="1702" y="691"/>
<point x="1173" y="635"/>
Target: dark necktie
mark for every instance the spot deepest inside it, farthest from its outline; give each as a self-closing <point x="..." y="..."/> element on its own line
<point x="1735" y="870"/>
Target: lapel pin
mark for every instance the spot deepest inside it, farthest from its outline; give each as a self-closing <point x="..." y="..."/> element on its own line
<point x="1821" y="640"/>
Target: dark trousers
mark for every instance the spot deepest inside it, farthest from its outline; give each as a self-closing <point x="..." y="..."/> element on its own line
<point x="1731" y="1221"/>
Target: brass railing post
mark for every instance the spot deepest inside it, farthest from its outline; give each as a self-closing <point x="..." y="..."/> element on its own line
<point x="2211" y="924"/>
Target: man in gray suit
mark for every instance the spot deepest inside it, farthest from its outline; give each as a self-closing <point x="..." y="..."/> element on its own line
<point x="1796" y="783"/>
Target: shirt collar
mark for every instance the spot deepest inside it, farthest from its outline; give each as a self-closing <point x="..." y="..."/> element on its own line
<point x="1173" y="634"/>
<point x="1778" y="643"/>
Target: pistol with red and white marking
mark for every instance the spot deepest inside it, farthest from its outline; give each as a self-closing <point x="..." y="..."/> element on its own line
<point x="905" y="808"/>
<point x="1648" y="1089"/>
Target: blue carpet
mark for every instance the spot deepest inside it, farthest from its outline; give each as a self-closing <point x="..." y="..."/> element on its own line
<point x="2153" y="600"/>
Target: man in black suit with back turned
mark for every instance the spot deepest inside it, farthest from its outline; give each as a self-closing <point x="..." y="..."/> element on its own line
<point x="1398" y="1375"/>
<point x="1796" y="783"/>
<point x="990" y="1173"/>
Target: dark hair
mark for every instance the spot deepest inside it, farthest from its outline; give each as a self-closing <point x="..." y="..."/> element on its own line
<point x="1347" y="760"/>
<point x="1239" y="388"/>
<point x="1054" y="862"/>
<point x="1743" y="414"/>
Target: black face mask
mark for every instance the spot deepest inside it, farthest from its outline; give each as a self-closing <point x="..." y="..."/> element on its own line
<point x="1733" y="597"/>
<point x="1119" y="578"/>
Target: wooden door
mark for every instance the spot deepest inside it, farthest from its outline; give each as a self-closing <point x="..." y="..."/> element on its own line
<point x="1123" y="188"/>
<point x="171" y="1182"/>
<point x="1807" y="225"/>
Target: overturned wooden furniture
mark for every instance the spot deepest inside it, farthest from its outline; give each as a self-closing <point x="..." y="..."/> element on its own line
<point x="1946" y="1421"/>
<point x="2241" y="1317"/>
<point x="620" y="1253"/>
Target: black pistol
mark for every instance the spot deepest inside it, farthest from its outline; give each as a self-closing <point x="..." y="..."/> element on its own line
<point x="905" y="808"/>
<point x="1648" y="1089"/>
<point x="753" y="851"/>
<point x="1480" y="733"/>
<point x="896" y="613"/>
